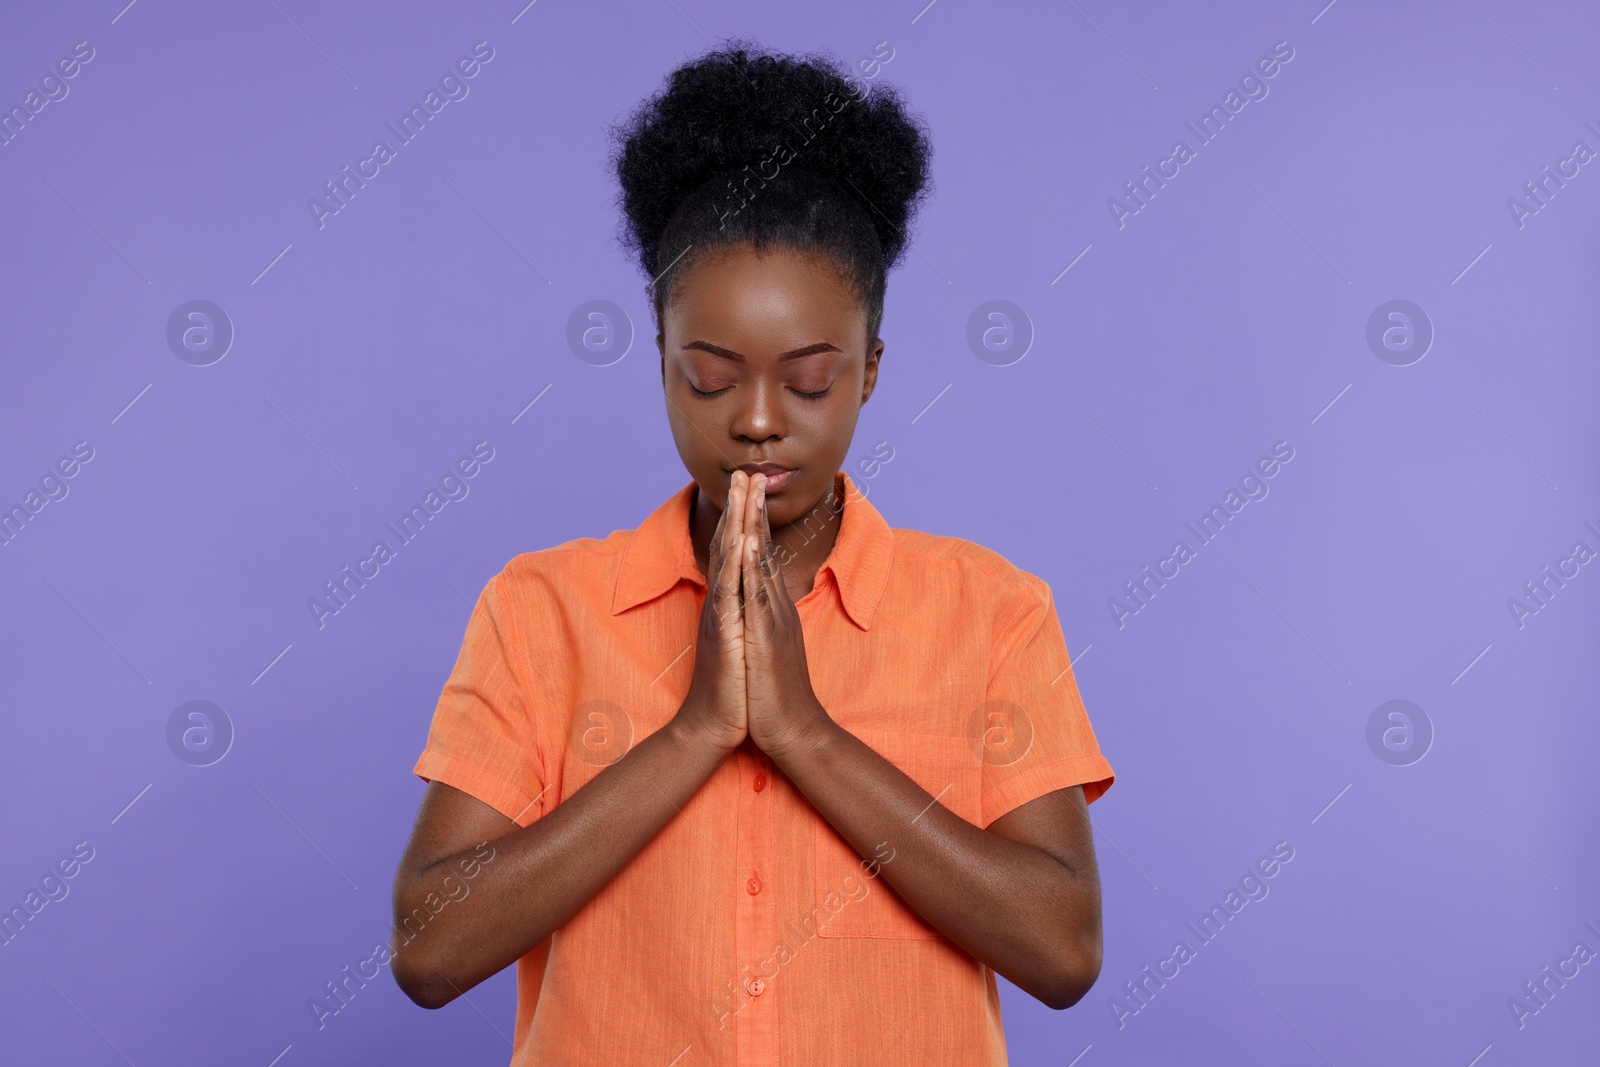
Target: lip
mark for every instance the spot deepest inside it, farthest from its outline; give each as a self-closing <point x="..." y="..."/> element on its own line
<point x="777" y="475"/>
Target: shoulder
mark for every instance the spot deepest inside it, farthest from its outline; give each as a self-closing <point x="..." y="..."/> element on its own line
<point x="582" y="566"/>
<point x="919" y="549"/>
<point x="980" y="573"/>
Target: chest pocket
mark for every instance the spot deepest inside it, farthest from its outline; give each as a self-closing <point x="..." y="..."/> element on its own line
<point x="852" y="901"/>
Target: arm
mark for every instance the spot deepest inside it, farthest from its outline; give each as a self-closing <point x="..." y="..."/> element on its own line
<point x="1022" y="896"/>
<point x="537" y="877"/>
<point x="540" y="875"/>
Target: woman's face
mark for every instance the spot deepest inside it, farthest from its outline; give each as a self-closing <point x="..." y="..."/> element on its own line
<point x="765" y="365"/>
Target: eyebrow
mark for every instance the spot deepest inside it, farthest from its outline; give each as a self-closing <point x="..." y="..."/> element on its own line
<point x="728" y="353"/>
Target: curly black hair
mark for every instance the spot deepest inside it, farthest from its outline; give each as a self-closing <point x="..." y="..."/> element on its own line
<point x="747" y="146"/>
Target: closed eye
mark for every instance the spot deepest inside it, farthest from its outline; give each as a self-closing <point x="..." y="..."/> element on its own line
<point x="803" y="395"/>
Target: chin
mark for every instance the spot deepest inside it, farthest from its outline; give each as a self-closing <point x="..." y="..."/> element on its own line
<point x="798" y="499"/>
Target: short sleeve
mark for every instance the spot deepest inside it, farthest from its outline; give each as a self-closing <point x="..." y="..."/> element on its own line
<point x="483" y="739"/>
<point x="1037" y="735"/>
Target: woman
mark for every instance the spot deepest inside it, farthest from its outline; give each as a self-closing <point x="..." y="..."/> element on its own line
<point x="763" y="780"/>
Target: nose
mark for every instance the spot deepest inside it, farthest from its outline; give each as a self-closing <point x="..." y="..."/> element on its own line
<point x="760" y="417"/>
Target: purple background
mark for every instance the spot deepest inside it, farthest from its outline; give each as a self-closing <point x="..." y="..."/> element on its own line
<point x="1229" y="314"/>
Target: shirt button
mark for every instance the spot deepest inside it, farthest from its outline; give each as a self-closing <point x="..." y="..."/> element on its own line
<point x="753" y="886"/>
<point x="760" y="782"/>
<point x="755" y="986"/>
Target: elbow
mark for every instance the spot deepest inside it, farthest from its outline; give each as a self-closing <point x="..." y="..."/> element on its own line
<point x="1064" y="994"/>
<point x="1072" y="983"/>
<point x="1066" y="991"/>
<point x="424" y="985"/>
<point x="426" y="991"/>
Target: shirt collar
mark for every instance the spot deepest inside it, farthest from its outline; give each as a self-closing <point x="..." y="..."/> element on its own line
<point x="660" y="554"/>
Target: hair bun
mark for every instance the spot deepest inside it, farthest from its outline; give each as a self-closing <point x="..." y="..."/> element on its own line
<point x="739" y="106"/>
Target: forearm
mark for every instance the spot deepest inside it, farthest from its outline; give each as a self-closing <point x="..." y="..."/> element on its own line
<point x="1017" y="909"/>
<point x="542" y="874"/>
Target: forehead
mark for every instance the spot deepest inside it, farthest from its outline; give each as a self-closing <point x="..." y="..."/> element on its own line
<point x="776" y="293"/>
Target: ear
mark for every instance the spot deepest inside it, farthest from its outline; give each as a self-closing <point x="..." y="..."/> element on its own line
<point x="869" y="381"/>
<point x="661" y="346"/>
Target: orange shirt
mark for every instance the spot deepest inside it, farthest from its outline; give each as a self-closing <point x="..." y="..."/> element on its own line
<point x="748" y="932"/>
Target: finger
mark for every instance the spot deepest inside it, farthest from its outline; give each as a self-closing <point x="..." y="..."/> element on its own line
<point x="733" y="515"/>
<point x="728" y="591"/>
<point x="766" y="528"/>
<point x="720" y="542"/>
<point x="767" y="554"/>
<point x="738" y="504"/>
<point x="716" y="549"/>
<point x="757" y="601"/>
<point x="755" y="524"/>
<point x="722" y="523"/>
<point x="728" y="577"/>
<point x="772" y="577"/>
<point x="752" y="510"/>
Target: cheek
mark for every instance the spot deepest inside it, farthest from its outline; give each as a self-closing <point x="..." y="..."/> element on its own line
<point x="686" y="434"/>
<point x="696" y="424"/>
<point x="829" y="421"/>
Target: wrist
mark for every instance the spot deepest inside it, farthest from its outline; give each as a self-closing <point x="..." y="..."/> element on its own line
<point x="692" y="734"/>
<point x="808" y="741"/>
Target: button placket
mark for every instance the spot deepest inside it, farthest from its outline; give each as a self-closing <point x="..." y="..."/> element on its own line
<point x="756" y="929"/>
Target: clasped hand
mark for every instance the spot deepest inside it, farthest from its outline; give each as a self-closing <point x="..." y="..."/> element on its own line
<point x="750" y="674"/>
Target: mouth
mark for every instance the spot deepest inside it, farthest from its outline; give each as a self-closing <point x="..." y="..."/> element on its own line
<point x="777" y="476"/>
